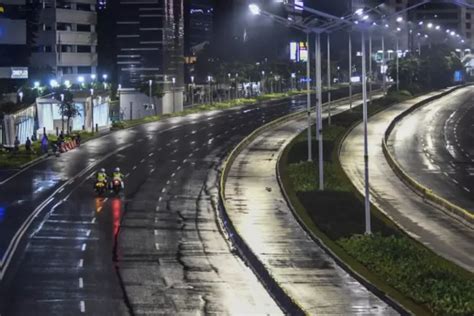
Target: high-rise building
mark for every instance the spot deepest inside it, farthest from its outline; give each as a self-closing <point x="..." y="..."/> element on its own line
<point x="13" y="41"/>
<point x="199" y="24"/>
<point x="149" y="39"/>
<point x="149" y="36"/>
<point x="67" y="40"/>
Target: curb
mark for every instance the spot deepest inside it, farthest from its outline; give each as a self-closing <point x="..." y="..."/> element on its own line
<point x="283" y="299"/>
<point x="426" y="193"/>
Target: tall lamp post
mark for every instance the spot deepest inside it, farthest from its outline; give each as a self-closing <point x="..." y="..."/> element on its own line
<point x="92" y="108"/>
<point x="329" y="77"/>
<point x="174" y="94"/>
<point x="350" y="70"/>
<point x="192" y="90"/>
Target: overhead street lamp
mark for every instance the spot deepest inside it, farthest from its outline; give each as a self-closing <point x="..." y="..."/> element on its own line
<point x="255" y="9"/>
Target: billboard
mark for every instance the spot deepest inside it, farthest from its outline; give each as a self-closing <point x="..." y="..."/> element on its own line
<point x="299" y="51"/>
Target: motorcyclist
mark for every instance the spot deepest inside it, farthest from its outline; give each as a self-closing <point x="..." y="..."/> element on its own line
<point x="117" y="175"/>
<point x="101" y="176"/>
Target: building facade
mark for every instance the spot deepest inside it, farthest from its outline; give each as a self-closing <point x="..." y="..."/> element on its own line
<point x="67" y="41"/>
<point x="13" y="39"/>
<point x="150" y="46"/>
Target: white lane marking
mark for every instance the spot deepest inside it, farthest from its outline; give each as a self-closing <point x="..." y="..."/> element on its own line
<point x="84" y="246"/>
<point x="173" y="174"/>
<point x="106" y="199"/>
<point x="81" y="263"/>
<point x="81" y="283"/>
<point x="167" y="182"/>
<point x="127" y="175"/>
<point x="152" y="170"/>
<point x="142" y="161"/>
<point x="159" y="200"/>
<point x="446" y="174"/>
<point x="157" y="209"/>
<point x="61" y="190"/>
<point x="88" y="233"/>
<point x="185" y="160"/>
<point x="179" y="167"/>
<point x="466" y="189"/>
<point x="151" y="154"/>
<point x="134" y="167"/>
<point x="93" y="220"/>
<point x="82" y="306"/>
<point x="156" y="232"/>
<point x="163" y="190"/>
<point x="157" y="246"/>
<point x="455" y="181"/>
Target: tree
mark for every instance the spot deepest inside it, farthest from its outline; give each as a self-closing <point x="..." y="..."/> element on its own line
<point x="67" y="107"/>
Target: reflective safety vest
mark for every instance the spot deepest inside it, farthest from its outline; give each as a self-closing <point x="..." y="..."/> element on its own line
<point x="117" y="176"/>
<point x="101" y="176"/>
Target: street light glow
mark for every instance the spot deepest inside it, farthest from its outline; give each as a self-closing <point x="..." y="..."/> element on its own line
<point x="429" y="25"/>
<point x="254" y="9"/>
<point x="93" y="76"/>
<point x="36" y="84"/>
<point x="80" y="79"/>
<point x="359" y="11"/>
<point x="104" y="76"/>
<point x="399" y="19"/>
<point x="53" y="83"/>
<point x="67" y="83"/>
<point x="437" y="27"/>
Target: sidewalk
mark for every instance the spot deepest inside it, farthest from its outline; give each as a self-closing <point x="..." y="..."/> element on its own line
<point x="261" y="215"/>
<point x="425" y="223"/>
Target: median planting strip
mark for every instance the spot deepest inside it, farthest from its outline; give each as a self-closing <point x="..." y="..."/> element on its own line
<point x="428" y="194"/>
<point x="398" y="266"/>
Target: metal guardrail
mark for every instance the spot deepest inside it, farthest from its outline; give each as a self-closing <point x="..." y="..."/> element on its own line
<point x="428" y="194"/>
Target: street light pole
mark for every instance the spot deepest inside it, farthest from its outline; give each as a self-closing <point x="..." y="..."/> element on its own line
<point x="350" y="71"/>
<point x="384" y="72"/>
<point x="308" y="99"/>
<point x="329" y="78"/>
<point x="398" y="67"/>
<point x="319" y="104"/>
<point x="174" y="92"/>
<point x="370" y="67"/>
<point x="192" y="91"/>
<point x="368" y="229"/>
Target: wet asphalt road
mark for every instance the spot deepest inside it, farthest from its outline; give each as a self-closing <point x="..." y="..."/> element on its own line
<point x="171" y="255"/>
<point x="425" y="223"/>
<point x="435" y="145"/>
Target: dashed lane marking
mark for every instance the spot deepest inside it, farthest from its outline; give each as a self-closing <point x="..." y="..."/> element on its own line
<point x="84" y="246"/>
<point x="81" y="263"/>
<point x="81" y="283"/>
<point x="156" y="232"/>
<point x="157" y="246"/>
<point x="82" y="306"/>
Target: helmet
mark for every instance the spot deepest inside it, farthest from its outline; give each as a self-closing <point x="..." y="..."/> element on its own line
<point x="102" y="170"/>
<point x="117" y="169"/>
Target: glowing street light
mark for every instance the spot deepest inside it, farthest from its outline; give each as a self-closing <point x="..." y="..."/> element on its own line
<point x="359" y="11"/>
<point x="36" y="84"/>
<point x="399" y="19"/>
<point x="67" y="83"/>
<point x="93" y="76"/>
<point x="53" y="83"/>
<point x="80" y="79"/>
<point x="429" y="25"/>
<point x="105" y="76"/>
<point x="254" y="9"/>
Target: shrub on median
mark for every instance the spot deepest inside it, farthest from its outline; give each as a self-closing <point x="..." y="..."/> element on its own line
<point x="413" y="270"/>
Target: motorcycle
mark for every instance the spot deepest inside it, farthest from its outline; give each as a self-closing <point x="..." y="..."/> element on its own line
<point x="100" y="187"/>
<point x="116" y="186"/>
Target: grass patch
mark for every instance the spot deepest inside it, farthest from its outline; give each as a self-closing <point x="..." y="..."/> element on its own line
<point x="413" y="275"/>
